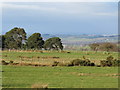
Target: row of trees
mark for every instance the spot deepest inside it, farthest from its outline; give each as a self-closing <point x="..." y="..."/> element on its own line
<point x="17" y="39"/>
<point x="104" y="46"/>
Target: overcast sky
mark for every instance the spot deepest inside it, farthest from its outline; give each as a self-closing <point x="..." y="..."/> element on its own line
<point x="61" y="18"/>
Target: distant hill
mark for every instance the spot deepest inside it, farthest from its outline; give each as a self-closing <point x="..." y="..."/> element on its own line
<point x="82" y="39"/>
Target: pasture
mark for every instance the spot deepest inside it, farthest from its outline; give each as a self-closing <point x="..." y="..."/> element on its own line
<point x="47" y="57"/>
<point x="16" y="76"/>
<point x="60" y="77"/>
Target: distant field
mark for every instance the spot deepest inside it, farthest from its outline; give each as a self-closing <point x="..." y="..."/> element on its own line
<point x="60" y="77"/>
<point x="49" y="57"/>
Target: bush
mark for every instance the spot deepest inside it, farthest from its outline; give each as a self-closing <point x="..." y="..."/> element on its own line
<point x="98" y="65"/>
<point x="92" y="64"/>
<point x="55" y="63"/>
<point x="103" y="63"/>
<point x="55" y="57"/>
<point x="69" y="64"/>
<point x="68" y="52"/>
<point x="116" y="63"/>
<point x="110" y="57"/>
<point x="106" y="63"/>
<point x="61" y="64"/>
<point x="11" y="62"/>
<point x="84" y="57"/>
<point x="78" y="62"/>
<point x="110" y="61"/>
<point x="4" y="63"/>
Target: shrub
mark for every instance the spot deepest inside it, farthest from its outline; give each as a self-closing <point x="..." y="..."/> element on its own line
<point x="4" y="63"/>
<point x="103" y="63"/>
<point x="110" y="57"/>
<point x="78" y="62"/>
<point x="110" y="61"/>
<point x="68" y="52"/>
<point x="69" y="64"/>
<point x="98" y="65"/>
<point x="75" y="62"/>
<point x="84" y="57"/>
<point x="55" y="63"/>
<point x="116" y="63"/>
<point x="11" y="62"/>
<point x="61" y="64"/>
<point x="106" y="63"/>
<point x="92" y="64"/>
<point x="55" y="57"/>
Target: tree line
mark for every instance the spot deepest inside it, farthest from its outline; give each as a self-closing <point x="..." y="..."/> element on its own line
<point x="106" y="46"/>
<point x="16" y="38"/>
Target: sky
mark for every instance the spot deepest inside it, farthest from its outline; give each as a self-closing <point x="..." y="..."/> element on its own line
<point x="61" y="17"/>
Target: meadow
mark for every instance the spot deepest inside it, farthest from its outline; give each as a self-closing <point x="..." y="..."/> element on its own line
<point x="21" y="76"/>
<point x="47" y="57"/>
<point x="59" y="77"/>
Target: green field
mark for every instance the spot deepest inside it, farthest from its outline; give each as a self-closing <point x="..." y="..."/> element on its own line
<point x="60" y="77"/>
<point x="16" y="76"/>
<point x="47" y="57"/>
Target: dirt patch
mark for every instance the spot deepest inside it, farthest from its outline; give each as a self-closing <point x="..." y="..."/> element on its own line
<point x="39" y="85"/>
<point x="95" y="74"/>
<point x="32" y="64"/>
<point x="37" y="57"/>
<point x="47" y="57"/>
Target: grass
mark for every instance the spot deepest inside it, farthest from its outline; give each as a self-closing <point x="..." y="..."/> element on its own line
<point x="46" y="57"/>
<point x="60" y="77"/>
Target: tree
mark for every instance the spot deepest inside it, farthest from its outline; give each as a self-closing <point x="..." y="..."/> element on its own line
<point x="53" y="44"/>
<point x="94" y="46"/>
<point x="15" y="38"/>
<point x="108" y="46"/>
<point x="2" y="42"/>
<point x="35" y="41"/>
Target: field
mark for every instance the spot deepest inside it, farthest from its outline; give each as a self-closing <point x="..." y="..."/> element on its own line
<point x="60" y="77"/>
<point x="16" y="76"/>
<point x="47" y="57"/>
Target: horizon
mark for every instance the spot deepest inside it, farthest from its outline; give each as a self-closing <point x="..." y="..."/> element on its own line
<point x="30" y="33"/>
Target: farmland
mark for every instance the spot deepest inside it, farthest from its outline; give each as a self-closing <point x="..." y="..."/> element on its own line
<point x="59" y="45"/>
<point x="60" y="77"/>
<point x="50" y="56"/>
<point x="22" y="76"/>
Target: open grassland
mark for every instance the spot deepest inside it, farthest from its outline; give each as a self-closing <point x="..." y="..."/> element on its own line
<point x="47" y="57"/>
<point x="18" y="76"/>
<point x="59" y="77"/>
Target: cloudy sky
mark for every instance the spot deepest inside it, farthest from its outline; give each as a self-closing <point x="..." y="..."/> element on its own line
<point x="61" y="17"/>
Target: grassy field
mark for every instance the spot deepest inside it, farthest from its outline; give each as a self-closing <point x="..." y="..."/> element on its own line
<point x="49" y="57"/>
<point x="57" y="77"/>
<point x="60" y="77"/>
